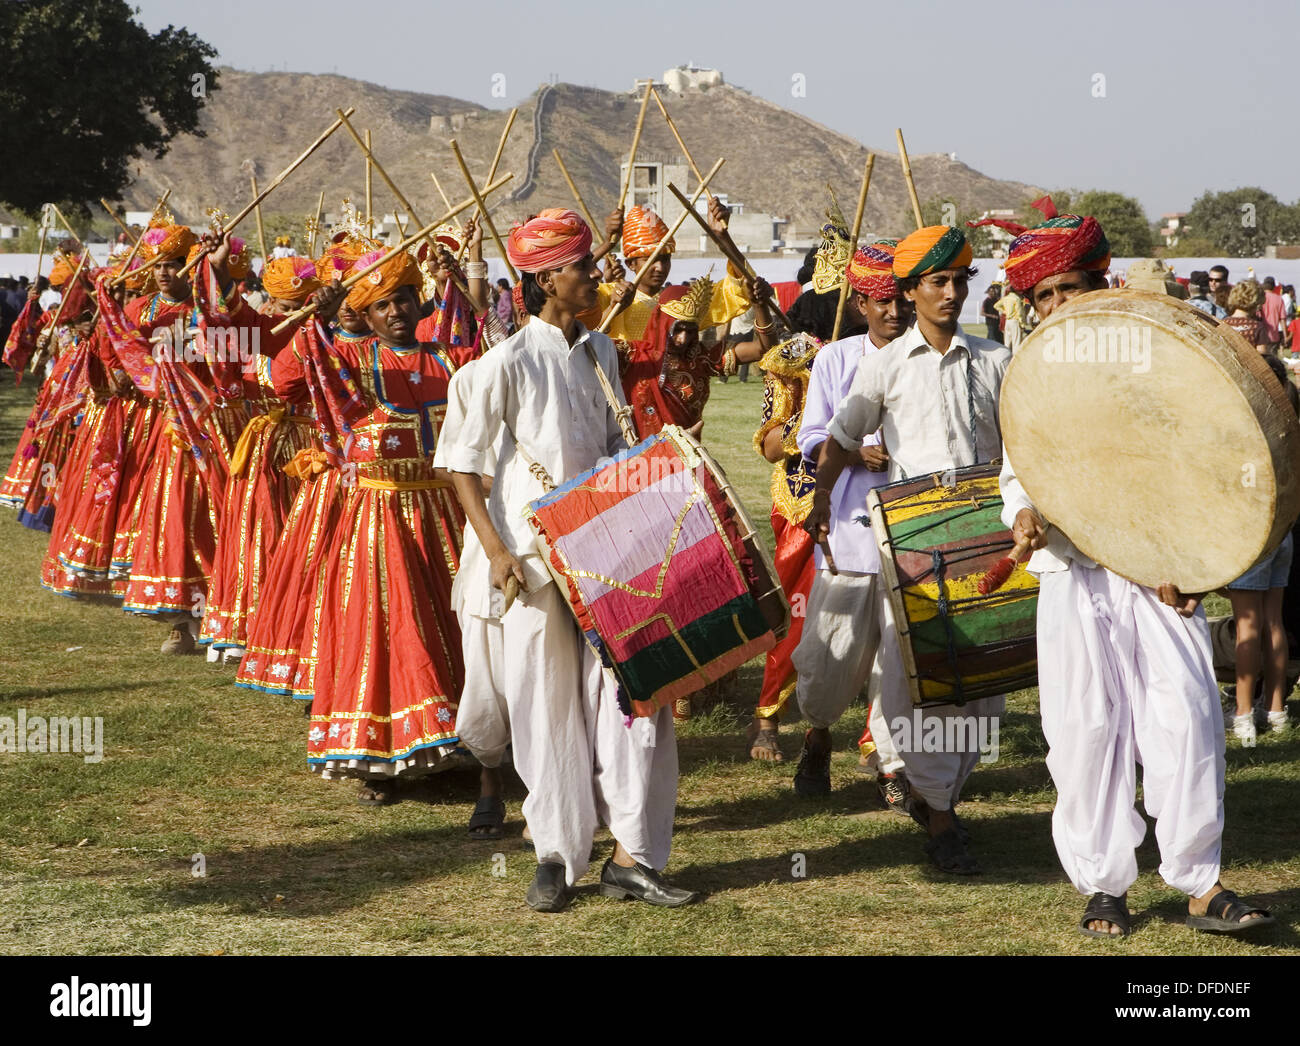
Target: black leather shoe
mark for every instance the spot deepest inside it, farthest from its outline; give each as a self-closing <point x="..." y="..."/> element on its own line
<point x="645" y="884"/>
<point x="548" y="892"/>
<point x="813" y="777"/>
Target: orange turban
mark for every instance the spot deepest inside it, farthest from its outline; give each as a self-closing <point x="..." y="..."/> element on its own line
<point x="64" y="267"/>
<point x="166" y="242"/>
<point x="932" y="249"/>
<point x="550" y="240"/>
<point x="237" y="264"/>
<point x="642" y="231"/>
<point x="399" y="271"/>
<point x="290" y="279"/>
<point x="871" y="270"/>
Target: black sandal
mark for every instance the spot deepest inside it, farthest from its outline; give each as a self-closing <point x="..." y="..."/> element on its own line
<point x="1104" y="907"/>
<point x="488" y="818"/>
<point x="948" y="853"/>
<point x="1224" y="914"/>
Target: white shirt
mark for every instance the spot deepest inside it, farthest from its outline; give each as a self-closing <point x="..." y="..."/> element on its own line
<point x="471" y="589"/>
<point x="547" y="396"/>
<point x="852" y="544"/>
<point x="922" y="401"/>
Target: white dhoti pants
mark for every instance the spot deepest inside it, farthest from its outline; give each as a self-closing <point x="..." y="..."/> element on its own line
<point x="482" y="720"/>
<point x="580" y="763"/>
<point x="1124" y="679"/>
<point x="838" y="647"/>
<point x="935" y="772"/>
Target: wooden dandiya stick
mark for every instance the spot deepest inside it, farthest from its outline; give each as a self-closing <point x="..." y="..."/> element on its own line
<point x="907" y="177"/>
<point x="677" y="134"/>
<point x="113" y="214"/>
<point x="247" y="210"/>
<point x="636" y="141"/>
<point x="127" y="271"/>
<point x="364" y="146"/>
<point x="492" y="171"/>
<point x="40" y="252"/>
<point x="447" y="200"/>
<point x="63" y="299"/>
<point x="370" y="221"/>
<point x="66" y="224"/>
<point x="729" y="252"/>
<point x="411" y="240"/>
<point x="257" y="211"/>
<point x="482" y="209"/>
<point x="315" y="225"/>
<point x="573" y="188"/>
<point x="644" y="270"/>
<point x="853" y="243"/>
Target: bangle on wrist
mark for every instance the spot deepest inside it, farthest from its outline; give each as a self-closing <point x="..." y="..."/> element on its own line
<point x="762" y="328"/>
<point x="476" y="270"/>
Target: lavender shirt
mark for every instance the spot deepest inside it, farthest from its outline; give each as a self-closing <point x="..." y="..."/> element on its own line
<point x="852" y="544"/>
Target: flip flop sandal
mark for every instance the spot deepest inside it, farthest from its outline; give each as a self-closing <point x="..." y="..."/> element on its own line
<point x="383" y="795"/>
<point x="949" y="854"/>
<point x="487" y="819"/>
<point x="1108" y="908"/>
<point x="1224" y="913"/>
<point x="767" y="741"/>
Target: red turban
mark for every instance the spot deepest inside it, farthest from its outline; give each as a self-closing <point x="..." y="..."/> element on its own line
<point x="932" y="249"/>
<point x="551" y="240"/>
<point x="1061" y="244"/>
<point x="399" y="271"/>
<point x="290" y="279"/>
<point x="642" y="231"/>
<point x="871" y="270"/>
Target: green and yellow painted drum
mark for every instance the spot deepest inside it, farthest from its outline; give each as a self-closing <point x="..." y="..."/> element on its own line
<point x="938" y="535"/>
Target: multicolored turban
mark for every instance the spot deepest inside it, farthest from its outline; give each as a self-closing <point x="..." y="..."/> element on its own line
<point x="550" y="240"/>
<point x="932" y="249"/>
<point x="400" y="270"/>
<point x="1061" y="244"/>
<point x="871" y="270"/>
<point x="291" y="279"/>
<point x="341" y="255"/>
<point x="642" y="231"/>
<point x="167" y="242"/>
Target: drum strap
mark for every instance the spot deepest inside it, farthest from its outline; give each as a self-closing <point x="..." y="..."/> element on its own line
<point x="534" y="466"/>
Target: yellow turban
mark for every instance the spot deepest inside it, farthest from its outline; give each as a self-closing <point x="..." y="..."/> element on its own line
<point x="290" y="279"/>
<point x="932" y="249"/>
<point x="167" y="242"/>
<point x="400" y="270"/>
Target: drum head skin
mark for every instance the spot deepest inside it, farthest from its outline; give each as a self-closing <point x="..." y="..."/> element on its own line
<point x="1159" y="443"/>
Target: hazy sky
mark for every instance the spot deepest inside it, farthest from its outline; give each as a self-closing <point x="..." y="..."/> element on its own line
<point x="1158" y="100"/>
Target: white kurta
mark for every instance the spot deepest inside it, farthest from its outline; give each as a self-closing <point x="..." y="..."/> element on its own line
<point x="578" y="759"/>
<point x="1124" y="679"/>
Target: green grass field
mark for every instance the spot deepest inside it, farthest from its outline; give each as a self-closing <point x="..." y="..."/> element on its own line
<point x="99" y="858"/>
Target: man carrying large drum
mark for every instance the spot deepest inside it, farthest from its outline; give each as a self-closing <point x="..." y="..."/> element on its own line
<point x="1125" y="668"/>
<point x="934" y="392"/>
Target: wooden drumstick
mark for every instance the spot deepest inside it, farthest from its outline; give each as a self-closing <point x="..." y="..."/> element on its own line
<point x="511" y="592"/>
<point x="825" y="545"/>
<point x="1001" y="570"/>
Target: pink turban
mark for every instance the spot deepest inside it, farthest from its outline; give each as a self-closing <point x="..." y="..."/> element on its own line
<point x="551" y="240"/>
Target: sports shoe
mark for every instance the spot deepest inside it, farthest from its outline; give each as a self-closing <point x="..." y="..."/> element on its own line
<point x="813" y="777"/>
<point x="1243" y="729"/>
<point x="893" y="792"/>
<point x="1278" y="722"/>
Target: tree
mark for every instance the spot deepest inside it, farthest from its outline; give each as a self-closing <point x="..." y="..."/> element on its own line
<point x="1243" y="222"/>
<point x="1121" y="218"/>
<point x="944" y="210"/>
<point x="86" y="90"/>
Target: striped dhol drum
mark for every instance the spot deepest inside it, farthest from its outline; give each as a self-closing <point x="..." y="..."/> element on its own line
<point x="938" y="535"/>
<point x="660" y="565"/>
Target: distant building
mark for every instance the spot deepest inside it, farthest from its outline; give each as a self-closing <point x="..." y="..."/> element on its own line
<point x="1172" y="227"/>
<point x="691" y="77"/>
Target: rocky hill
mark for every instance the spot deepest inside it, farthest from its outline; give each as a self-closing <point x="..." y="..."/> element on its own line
<point x="777" y="160"/>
